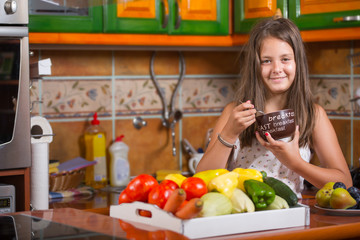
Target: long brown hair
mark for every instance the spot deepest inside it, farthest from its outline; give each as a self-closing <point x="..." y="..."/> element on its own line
<point x="251" y="87"/>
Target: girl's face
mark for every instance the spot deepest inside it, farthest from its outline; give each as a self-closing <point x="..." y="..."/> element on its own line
<point x="277" y="65"/>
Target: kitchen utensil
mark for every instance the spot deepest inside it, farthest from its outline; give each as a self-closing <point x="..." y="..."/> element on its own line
<point x="257" y="111"/>
<point x="138" y="122"/>
<point x="188" y="147"/>
<point x="194" y="161"/>
<point x="169" y="117"/>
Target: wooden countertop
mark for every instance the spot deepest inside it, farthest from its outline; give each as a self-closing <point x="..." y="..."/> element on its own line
<point x="322" y="225"/>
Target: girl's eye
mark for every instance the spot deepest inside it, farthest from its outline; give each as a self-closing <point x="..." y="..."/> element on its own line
<point x="265" y="61"/>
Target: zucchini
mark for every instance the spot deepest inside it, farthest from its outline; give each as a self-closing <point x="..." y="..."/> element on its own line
<point x="282" y="190"/>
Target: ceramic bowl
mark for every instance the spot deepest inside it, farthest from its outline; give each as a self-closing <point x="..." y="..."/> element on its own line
<point x="279" y="124"/>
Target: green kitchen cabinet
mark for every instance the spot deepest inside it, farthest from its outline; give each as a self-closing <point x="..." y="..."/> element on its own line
<point x="65" y="16"/>
<point x="192" y="17"/>
<point x="324" y="14"/>
<point x="248" y="12"/>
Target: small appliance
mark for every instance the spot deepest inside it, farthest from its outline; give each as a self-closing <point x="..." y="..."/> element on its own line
<point x="7" y="198"/>
<point x="15" y="147"/>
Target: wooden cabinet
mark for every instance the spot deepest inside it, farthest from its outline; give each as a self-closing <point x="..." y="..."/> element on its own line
<point x="323" y="14"/>
<point x="248" y="12"/>
<point x="306" y="14"/>
<point x="65" y="16"/>
<point x="193" y="17"/>
<point x="20" y="178"/>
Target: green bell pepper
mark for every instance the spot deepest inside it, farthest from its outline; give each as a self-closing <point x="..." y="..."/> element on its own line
<point x="261" y="194"/>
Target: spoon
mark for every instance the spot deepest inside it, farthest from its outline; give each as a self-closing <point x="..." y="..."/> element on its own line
<point x="257" y="111"/>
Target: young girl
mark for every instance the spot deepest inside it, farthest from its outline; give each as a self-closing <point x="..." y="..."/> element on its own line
<point x="274" y="77"/>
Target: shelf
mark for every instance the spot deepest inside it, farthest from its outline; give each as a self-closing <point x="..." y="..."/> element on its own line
<point x="159" y="40"/>
<point x="20" y="178"/>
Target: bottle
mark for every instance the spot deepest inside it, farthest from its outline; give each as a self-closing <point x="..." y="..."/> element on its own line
<point x="95" y="150"/>
<point x="119" y="164"/>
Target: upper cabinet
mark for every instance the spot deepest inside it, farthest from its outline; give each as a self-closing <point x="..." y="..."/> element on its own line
<point x="248" y="12"/>
<point x="306" y="14"/>
<point x="192" y="17"/>
<point x="65" y="16"/>
<point x="322" y="14"/>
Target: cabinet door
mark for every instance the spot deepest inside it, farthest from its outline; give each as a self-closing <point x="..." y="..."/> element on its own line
<point x="248" y="12"/>
<point x="192" y="17"/>
<point x="142" y="16"/>
<point x="200" y="17"/>
<point x="315" y="14"/>
<point x="65" y="16"/>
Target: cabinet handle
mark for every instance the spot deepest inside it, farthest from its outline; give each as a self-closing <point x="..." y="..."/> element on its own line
<point x="178" y="17"/>
<point x="165" y="7"/>
<point x="347" y="19"/>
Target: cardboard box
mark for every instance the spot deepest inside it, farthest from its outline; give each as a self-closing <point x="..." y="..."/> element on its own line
<point x="213" y="226"/>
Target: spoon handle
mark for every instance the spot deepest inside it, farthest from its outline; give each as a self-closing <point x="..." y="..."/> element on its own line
<point x="257" y="111"/>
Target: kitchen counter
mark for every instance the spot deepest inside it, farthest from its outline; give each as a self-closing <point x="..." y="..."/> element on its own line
<point x="322" y="225"/>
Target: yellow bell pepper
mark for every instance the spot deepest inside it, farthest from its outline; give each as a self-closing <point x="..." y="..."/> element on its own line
<point x="176" y="177"/>
<point x="208" y="175"/>
<point x="225" y="183"/>
<point x="245" y="174"/>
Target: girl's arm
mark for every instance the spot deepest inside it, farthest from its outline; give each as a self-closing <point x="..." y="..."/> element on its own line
<point x="332" y="161"/>
<point x="233" y="120"/>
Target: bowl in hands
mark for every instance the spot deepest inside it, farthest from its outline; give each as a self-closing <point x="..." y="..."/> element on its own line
<point x="279" y="124"/>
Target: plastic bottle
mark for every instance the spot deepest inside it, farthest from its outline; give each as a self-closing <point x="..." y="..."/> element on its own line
<point x="119" y="164"/>
<point x="95" y="147"/>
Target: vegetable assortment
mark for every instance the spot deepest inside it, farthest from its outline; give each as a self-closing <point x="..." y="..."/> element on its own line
<point x="210" y="193"/>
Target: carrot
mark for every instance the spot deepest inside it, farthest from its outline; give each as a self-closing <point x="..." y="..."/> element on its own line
<point x="191" y="209"/>
<point x="176" y="198"/>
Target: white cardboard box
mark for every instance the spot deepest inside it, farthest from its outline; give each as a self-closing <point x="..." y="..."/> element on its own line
<point x="214" y="226"/>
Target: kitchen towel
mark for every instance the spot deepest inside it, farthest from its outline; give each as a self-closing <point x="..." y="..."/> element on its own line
<point x="41" y="137"/>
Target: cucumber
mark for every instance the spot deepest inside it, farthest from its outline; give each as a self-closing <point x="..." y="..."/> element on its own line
<point x="282" y="190"/>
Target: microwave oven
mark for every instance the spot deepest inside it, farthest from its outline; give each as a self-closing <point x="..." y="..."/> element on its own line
<point x="15" y="147"/>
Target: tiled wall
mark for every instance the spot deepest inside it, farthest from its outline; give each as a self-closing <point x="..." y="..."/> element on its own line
<point x="117" y="85"/>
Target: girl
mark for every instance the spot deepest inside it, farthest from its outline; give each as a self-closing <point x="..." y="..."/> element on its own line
<point x="275" y="76"/>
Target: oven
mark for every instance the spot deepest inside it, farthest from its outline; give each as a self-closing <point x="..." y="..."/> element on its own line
<point x="15" y="148"/>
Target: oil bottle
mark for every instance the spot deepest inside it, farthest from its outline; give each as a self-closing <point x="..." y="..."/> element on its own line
<point x="95" y="147"/>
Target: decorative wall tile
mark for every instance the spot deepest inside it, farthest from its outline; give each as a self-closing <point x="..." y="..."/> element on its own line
<point x="356" y="104"/>
<point x="333" y="95"/>
<point x="76" y="98"/>
<point x="207" y="95"/>
<point x="139" y="96"/>
<point x="34" y="98"/>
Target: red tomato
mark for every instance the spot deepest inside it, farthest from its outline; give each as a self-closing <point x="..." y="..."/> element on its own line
<point x="170" y="183"/>
<point x="139" y="188"/>
<point x="160" y="194"/>
<point x="124" y="198"/>
<point x="194" y="187"/>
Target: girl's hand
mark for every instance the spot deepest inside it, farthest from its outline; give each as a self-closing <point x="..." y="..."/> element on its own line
<point x="241" y="117"/>
<point x="286" y="152"/>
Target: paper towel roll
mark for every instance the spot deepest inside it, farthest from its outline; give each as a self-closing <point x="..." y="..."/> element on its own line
<point x="41" y="137"/>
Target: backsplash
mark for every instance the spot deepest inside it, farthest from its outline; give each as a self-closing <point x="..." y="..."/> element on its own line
<point x="117" y="85"/>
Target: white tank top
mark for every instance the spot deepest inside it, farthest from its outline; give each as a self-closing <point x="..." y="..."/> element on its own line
<point x="258" y="157"/>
